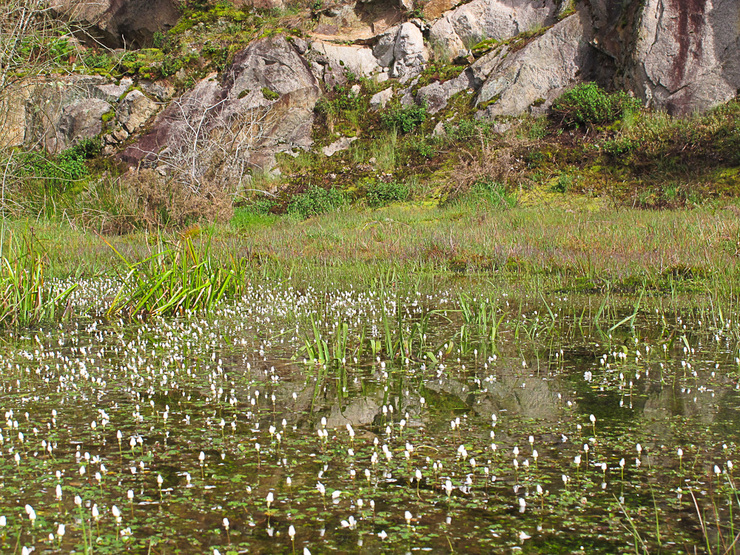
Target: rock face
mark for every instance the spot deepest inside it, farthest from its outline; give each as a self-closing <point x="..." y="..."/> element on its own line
<point x="409" y="53"/>
<point x="541" y="71"/>
<point x="332" y="62"/>
<point x="120" y="23"/>
<point x="678" y="55"/>
<point x="56" y="113"/>
<point x="134" y="110"/>
<point x="261" y="106"/>
<point x="380" y="99"/>
<point x="470" y="23"/>
<point x="82" y="119"/>
<point x="436" y="95"/>
<point x="686" y="56"/>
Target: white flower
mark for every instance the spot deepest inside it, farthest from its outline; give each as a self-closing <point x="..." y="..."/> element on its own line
<point x="31" y="514"/>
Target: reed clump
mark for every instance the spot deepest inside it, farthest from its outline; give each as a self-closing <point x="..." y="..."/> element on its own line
<point x="26" y="298"/>
<point x="177" y="278"/>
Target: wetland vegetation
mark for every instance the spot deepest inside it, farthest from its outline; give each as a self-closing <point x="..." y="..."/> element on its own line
<point x="455" y="335"/>
<point x="359" y="382"/>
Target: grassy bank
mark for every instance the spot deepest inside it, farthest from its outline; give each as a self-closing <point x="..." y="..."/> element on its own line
<point x="587" y="249"/>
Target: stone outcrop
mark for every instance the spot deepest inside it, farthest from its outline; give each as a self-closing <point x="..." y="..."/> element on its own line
<point x="339" y="145"/>
<point x="678" y="55"/>
<point x="470" y="23"/>
<point x="120" y="23"/>
<point x="134" y="110"/>
<point x="57" y="112"/>
<point x="332" y="63"/>
<point x="380" y="99"/>
<point x="401" y="51"/>
<point x="541" y="71"/>
<point x="409" y="53"/>
<point x="261" y="106"/>
<point x="436" y="95"/>
<point x="687" y="54"/>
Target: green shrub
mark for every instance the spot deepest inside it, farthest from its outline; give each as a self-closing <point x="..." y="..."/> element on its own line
<point x="316" y="201"/>
<point x="563" y="183"/>
<point x="60" y="171"/>
<point x="588" y="104"/>
<point x="467" y="129"/>
<point x="620" y="146"/>
<point x="340" y="100"/>
<point x="404" y="118"/>
<point x="44" y="184"/>
<point x="380" y="194"/>
<point x="84" y="149"/>
<point x="61" y="49"/>
<point x="170" y="66"/>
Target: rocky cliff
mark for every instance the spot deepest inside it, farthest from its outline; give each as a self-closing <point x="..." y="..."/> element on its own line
<point x="511" y="56"/>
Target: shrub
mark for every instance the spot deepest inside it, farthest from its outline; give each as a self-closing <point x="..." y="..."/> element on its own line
<point x="316" y="201"/>
<point x="588" y="104"/>
<point x="404" y="118"/>
<point x="467" y="129"/>
<point x="57" y="173"/>
<point x="563" y="183"/>
<point x="380" y="194"/>
<point x="84" y="149"/>
<point x="97" y="60"/>
<point x="147" y="200"/>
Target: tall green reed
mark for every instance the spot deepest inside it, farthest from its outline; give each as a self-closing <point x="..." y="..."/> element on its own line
<point x="178" y="278"/>
<point x="25" y="297"/>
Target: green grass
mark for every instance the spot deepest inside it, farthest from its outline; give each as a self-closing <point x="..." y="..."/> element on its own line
<point x="491" y="232"/>
<point x="593" y="248"/>
<point x="26" y="298"/>
<point x="177" y="278"/>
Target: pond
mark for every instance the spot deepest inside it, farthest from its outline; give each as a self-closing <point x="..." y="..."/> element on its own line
<point x="303" y="420"/>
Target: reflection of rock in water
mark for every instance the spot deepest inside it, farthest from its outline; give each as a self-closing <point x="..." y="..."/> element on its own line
<point x="529" y="396"/>
<point x="358" y="412"/>
<point x="666" y="403"/>
<point x="526" y="395"/>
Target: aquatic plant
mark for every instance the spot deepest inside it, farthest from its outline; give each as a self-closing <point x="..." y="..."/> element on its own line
<point x="176" y="279"/>
<point x="25" y="297"/>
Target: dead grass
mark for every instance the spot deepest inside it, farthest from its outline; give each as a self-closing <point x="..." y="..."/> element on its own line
<point x="147" y="200"/>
